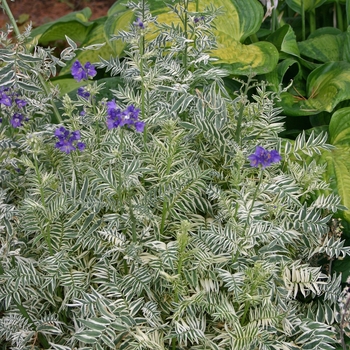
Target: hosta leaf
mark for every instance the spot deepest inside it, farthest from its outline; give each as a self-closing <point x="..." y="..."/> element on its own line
<point x="337" y="160"/>
<point x="75" y="25"/>
<point x="327" y="86"/>
<point x="238" y="21"/>
<point x="95" y="36"/>
<point x="323" y="48"/>
<point x="285" y="40"/>
<point x="296" y="5"/>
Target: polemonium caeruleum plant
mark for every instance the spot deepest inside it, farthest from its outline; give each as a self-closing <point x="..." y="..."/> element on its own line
<point x="170" y="217"/>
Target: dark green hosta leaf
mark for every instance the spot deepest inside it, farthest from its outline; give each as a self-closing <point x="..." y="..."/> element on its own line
<point x="326" y="86"/>
<point x="326" y="47"/>
<point x="296" y="5"/>
<point x="285" y="40"/>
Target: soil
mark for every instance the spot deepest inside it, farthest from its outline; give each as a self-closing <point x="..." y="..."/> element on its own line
<point x="43" y="11"/>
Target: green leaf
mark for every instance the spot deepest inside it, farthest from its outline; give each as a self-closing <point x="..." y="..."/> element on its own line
<point x="96" y="323"/>
<point x="296" y="5"/>
<point x="323" y="48"/>
<point x="337" y="160"/>
<point x="285" y="40"/>
<point x="88" y="336"/>
<point x="327" y="86"/>
<point x="238" y="21"/>
<point x="95" y="36"/>
<point x="75" y="25"/>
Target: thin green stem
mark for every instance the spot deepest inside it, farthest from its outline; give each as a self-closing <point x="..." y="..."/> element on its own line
<point x="246" y="309"/>
<point x="274" y="20"/>
<point x="303" y="35"/>
<point x="185" y="23"/>
<point x="74" y="171"/>
<point x="312" y="20"/>
<point x="11" y="18"/>
<point x="339" y="16"/>
<point x="133" y="220"/>
<point x="254" y="198"/>
<point x="43" y="203"/>
<point x="165" y="203"/>
<point x="56" y="117"/>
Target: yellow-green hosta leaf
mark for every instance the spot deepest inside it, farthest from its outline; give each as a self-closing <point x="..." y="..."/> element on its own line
<point x="113" y="25"/>
<point x="339" y="128"/>
<point x="338" y="159"/>
<point x="75" y="25"/>
<point x="296" y="5"/>
<point x="338" y="174"/>
<point x="96" y="36"/>
<point x="239" y="20"/>
<point x="237" y="58"/>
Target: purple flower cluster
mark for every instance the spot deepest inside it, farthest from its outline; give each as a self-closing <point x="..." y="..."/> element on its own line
<point x="11" y="101"/>
<point x="139" y="23"/>
<point x="198" y="19"/>
<point x="83" y="93"/>
<point x="264" y="158"/>
<point x="117" y="117"/>
<point x="81" y="72"/>
<point x="67" y="140"/>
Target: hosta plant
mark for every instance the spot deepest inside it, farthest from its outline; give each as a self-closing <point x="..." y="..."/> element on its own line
<point x="170" y="215"/>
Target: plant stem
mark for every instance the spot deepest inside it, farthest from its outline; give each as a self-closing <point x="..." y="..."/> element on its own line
<point x="56" y="117"/>
<point x="165" y="203"/>
<point x="312" y="20"/>
<point x="254" y="198"/>
<point x="185" y="22"/>
<point x="339" y="16"/>
<point x="11" y="18"/>
<point x="303" y="20"/>
<point x="46" y="231"/>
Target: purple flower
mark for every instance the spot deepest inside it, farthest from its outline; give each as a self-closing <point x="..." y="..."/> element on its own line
<point x="5" y="99"/>
<point x="78" y="71"/>
<point x="16" y="120"/>
<point x="90" y="69"/>
<point x="82" y="73"/>
<point x="262" y="157"/>
<point x="20" y="103"/>
<point x="67" y="139"/>
<point x="81" y="146"/>
<point x="139" y="23"/>
<point x="61" y="133"/>
<point x="139" y="126"/>
<point x="198" y="19"/>
<point x="65" y="146"/>
<point x="83" y="93"/>
<point x="75" y="135"/>
<point x="116" y="117"/>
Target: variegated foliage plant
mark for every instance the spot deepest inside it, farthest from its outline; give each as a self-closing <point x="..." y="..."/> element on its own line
<point x="166" y="239"/>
